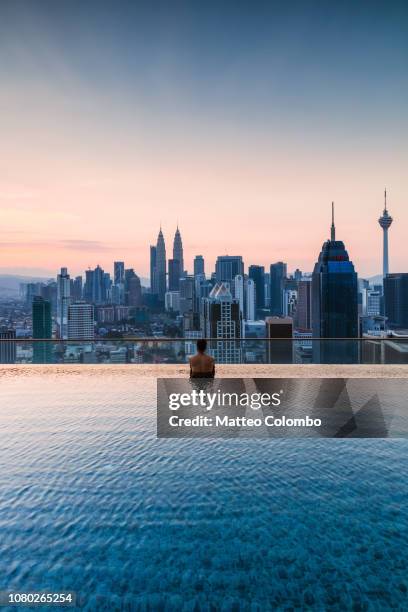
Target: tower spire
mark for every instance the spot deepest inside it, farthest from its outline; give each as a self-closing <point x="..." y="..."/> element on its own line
<point x="385" y="200"/>
<point x="333" y="229"/>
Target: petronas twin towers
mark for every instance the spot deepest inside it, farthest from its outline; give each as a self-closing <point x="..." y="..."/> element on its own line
<point x="158" y="265"/>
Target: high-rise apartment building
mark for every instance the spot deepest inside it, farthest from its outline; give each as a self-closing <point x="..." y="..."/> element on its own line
<point x="222" y="320"/>
<point x="8" y="349"/>
<point x="80" y="321"/>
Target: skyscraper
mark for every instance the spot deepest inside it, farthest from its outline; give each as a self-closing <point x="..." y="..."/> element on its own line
<point x="178" y="250"/>
<point x="153" y="276"/>
<point x="303" y="314"/>
<point x="134" y="291"/>
<point x="385" y="222"/>
<point x="97" y="286"/>
<point x="227" y="267"/>
<point x="161" y="266"/>
<point x="257" y="273"/>
<point x="118" y="272"/>
<point x="199" y="265"/>
<point x="221" y="319"/>
<point x="250" y="300"/>
<point x="76" y="288"/>
<point x="174" y="274"/>
<point x="63" y="301"/>
<point x="42" y="328"/>
<point x="277" y="275"/>
<point x="334" y="303"/>
<point x="396" y="300"/>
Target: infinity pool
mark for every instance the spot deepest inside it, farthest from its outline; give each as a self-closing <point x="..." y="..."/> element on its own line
<point x="91" y="501"/>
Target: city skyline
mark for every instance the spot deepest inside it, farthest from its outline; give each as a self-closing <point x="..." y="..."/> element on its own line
<point x="108" y="263"/>
<point x="243" y="125"/>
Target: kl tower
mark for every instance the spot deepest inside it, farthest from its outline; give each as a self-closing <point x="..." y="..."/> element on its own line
<point x="385" y="221"/>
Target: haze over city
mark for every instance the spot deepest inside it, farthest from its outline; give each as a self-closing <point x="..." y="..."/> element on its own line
<point x="241" y="125"/>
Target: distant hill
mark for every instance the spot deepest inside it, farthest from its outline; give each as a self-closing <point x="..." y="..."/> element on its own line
<point x="10" y="283"/>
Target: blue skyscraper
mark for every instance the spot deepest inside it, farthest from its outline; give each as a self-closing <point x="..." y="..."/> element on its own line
<point x="257" y="273"/>
<point x="334" y="303"/>
<point x="277" y="275"/>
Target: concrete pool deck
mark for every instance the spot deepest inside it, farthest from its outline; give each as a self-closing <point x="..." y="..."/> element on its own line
<point x="222" y="371"/>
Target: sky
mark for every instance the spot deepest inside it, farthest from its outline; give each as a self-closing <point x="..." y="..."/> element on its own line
<point x="240" y="121"/>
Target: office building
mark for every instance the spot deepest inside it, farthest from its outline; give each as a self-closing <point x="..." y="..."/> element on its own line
<point x="174" y="274"/>
<point x="160" y="270"/>
<point x="76" y="288"/>
<point x="178" y="250"/>
<point x="199" y="265"/>
<point x="133" y="294"/>
<point x="257" y="274"/>
<point x="334" y="303"/>
<point x="396" y="300"/>
<point x="118" y="272"/>
<point x="250" y="300"/>
<point x="277" y="275"/>
<point x="227" y="267"/>
<point x="63" y="302"/>
<point x="42" y="329"/>
<point x="97" y="286"/>
<point x="303" y="314"/>
<point x="153" y="276"/>
<point x="172" y="301"/>
<point x="187" y="294"/>
<point x="80" y="321"/>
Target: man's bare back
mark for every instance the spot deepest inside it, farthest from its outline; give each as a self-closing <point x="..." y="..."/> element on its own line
<point x="202" y="365"/>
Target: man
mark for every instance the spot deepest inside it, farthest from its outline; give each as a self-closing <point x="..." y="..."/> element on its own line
<point x="202" y="365"/>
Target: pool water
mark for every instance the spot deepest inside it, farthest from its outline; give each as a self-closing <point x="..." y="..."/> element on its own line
<point x="92" y="501"/>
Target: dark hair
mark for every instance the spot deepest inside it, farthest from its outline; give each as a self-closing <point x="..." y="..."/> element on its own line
<point x="201" y="345"/>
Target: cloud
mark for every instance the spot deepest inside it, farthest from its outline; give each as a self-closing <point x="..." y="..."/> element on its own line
<point x="63" y="244"/>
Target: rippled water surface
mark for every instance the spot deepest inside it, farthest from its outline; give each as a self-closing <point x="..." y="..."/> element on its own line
<point x="91" y="501"/>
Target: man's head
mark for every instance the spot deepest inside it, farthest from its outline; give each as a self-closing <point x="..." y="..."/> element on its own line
<point x="201" y="345"/>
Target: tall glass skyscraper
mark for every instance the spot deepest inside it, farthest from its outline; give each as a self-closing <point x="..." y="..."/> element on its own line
<point x="63" y="301"/>
<point x="199" y="265"/>
<point x="227" y="267"/>
<point x="257" y="274"/>
<point x="42" y="329"/>
<point x="161" y="266"/>
<point x="277" y="275"/>
<point x="334" y="303"/>
<point x="178" y="250"/>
